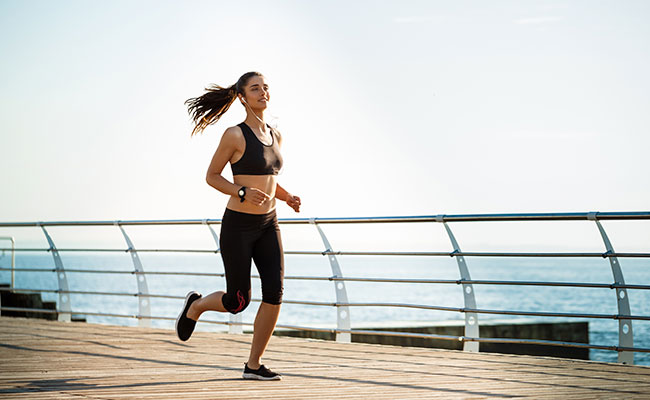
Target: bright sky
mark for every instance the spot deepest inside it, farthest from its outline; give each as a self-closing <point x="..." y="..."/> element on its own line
<point x="386" y="108"/>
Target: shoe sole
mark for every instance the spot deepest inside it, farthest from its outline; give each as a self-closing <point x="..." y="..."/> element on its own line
<point x="255" y="377"/>
<point x="187" y="298"/>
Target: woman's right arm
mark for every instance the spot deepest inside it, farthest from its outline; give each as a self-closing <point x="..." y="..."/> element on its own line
<point x="224" y="153"/>
<point x="229" y="144"/>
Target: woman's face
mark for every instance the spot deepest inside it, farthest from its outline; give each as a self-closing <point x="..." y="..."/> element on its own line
<point x="256" y="92"/>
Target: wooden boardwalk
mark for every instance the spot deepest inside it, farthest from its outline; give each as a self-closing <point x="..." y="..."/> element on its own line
<point x="55" y="360"/>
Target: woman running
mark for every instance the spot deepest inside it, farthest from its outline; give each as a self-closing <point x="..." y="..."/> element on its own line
<point x="249" y="228"/>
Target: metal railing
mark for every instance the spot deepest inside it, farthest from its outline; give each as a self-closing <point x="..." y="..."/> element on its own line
<point x="343" y="331"/>
<point x="13" y="257"/>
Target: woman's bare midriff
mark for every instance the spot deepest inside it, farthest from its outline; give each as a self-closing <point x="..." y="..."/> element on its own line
<point x="265" y="183"/>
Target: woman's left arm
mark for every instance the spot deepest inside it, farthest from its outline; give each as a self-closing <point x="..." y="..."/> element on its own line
<point x="291" y="200"/>
<point x="280" y="193"/>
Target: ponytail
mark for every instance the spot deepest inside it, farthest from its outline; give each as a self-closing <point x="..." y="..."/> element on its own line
<point x="207" y="109"/>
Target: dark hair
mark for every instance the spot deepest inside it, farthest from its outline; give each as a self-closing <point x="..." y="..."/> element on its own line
<point x="207" y="109"/>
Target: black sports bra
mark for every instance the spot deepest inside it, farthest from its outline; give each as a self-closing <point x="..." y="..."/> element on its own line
<point x="258" y="158"/>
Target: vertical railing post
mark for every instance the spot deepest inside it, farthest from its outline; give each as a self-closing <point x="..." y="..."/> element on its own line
<point x="235" y="326"/>
<point x="342" y="309"/>
<point x="625" y="334"/>
<point x="13" y="259"/>
<point x="144" y="303"/>
<point x="64" y="308"/>
<point x="13" y="264"/>
<point x="471" y="318"/>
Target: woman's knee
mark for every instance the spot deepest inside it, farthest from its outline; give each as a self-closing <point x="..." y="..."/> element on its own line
<point x="236" y="302"/>
<point x="272" y="296"/>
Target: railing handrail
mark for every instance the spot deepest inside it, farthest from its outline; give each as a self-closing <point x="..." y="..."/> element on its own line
<point x="368" y="253"/>
<point x="569" y="216"/>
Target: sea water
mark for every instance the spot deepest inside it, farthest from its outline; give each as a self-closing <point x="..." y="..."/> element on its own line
<point x="493" y="297"/>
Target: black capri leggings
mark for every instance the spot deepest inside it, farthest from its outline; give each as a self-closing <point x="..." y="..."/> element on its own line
<point x="245" y="237"/>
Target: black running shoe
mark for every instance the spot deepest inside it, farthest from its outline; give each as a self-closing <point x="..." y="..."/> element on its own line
<point x="261" y="374"/>
<point x="184" y="325"/>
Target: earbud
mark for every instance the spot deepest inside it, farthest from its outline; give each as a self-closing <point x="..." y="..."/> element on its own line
<point x="242" y="99"/>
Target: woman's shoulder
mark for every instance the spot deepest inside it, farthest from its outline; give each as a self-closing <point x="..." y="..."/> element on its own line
<point x="277" y="133"/>
<point x="233" y="131"/>
<point x="233" y="135"/>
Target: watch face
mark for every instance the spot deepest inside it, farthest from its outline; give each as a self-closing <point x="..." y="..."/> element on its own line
<point x="241" y="192"/>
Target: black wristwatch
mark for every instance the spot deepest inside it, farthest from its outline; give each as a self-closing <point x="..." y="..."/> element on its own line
<point x="242" y="193"/>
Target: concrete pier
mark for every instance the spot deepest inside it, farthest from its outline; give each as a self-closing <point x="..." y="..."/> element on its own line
<point x="565" y="331"/>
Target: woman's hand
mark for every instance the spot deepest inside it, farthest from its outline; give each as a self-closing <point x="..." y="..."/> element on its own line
<point x="293" y="202"/>
<point x="256" y="196"/>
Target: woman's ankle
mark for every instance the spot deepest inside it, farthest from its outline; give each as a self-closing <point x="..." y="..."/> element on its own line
<point x="192" y="312"/>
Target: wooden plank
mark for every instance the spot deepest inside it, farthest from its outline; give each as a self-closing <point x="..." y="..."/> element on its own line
<point x="49" y="359"/>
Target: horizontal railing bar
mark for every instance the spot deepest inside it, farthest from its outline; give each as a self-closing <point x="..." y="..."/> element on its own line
<point x="163" y="296"/>
<point x="557" y="314"/>
<point x="40" y="310"/>
<point x="25" y="290"/>
<point x="108" y="271"/>
<point x="111" y="223"/>
<point x="492" y="282"/>
<point x="151" y="295"/>
<point x="354" y="279"/>
<point x="399" y="305"/>
<point x="371" y="332"/>
<point x="475" y="254"/>
<point x="540" y="283"/>
<point x="119" y="250"/>
<point x="307" y="302"/>
<point x="584" y="216"/>
<point x="465" y="338"/>
<point x="117" y="272"/>
<point x="368" y="253"/>
<point x="454" y="338"/>
<point x="304" y="278"/>
<point x="214" y="274"/>
<point x="503" y="312"/>
<point x="471" y="254"/>
<point x="478" y="217"/>
<point x="556" y="284"/>
<point x="362" y="331"/>
<point x="498" y="340"/>
<point x="99" y="314"/>
<point x="90" y="271"/>
<point x="23" y="309"/>
<point x="18" y="290"/>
